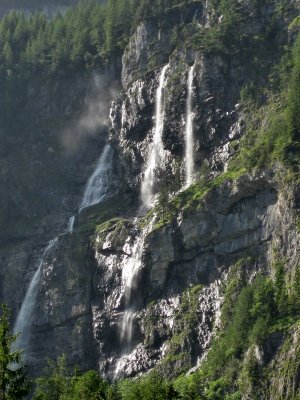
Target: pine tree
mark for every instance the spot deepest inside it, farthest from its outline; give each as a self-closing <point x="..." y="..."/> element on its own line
<point x="110" y="26"/>
<point x="56" y="383"/>
<point x="8" y="54"/>
<point x="13" y="382"/>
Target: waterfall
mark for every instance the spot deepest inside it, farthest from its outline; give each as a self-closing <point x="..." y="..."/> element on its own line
<point x="98" y="184"/>
<point x="96" y="191"/>
<point x="189" y="132"/>
<point x="127" y="326"/>
<point x="24" y="319"/>
<point x="97" y="187"/>
<point x="129" y="280"/>
<point x="71" y="224"/>
<point x="154" y="159"/>
<point x="129" y="275"/>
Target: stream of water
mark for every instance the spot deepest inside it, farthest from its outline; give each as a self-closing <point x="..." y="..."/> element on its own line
<point x="98" y="184"/>
<point x="96" y="190"/>
<point x="155" y="155"/>
<point x="23" y="322"/>
<point x="189" y="132"/>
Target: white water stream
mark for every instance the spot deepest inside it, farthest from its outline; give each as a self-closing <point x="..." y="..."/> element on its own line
<point x="98" y="185"/>
<point x="132" y="267"/>
<point x="129" y="276"/>
<point x="96" y="191"/>
<point x="71" y="224"/>
<point x="189" y="132"/>
<point x="155" y="156"/>
<point x="23" y="322"/>
<point x="129" y="279"/>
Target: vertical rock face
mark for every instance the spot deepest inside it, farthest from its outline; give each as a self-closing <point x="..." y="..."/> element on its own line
<point x="285" y="379"/>
<point x="42" y="181"/>
<point x="181" y="265"/>
<point x="235" y="222"/>
<point x="62" y="318"/>
<point x="217" y="118"/>
<point x="152" y="43"/>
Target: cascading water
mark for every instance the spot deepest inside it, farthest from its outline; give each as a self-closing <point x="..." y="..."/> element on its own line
<point x="129" y="275"/>
<point x="189" y="132"/>
<point x="155" y="156"/>
<point x="71" y="224"/>
<point x="97" y="188"/>
<point x="127" y="327"/>
<point x="96" y="191"/>
<point x="129" y="279"/>
<point x="132" y="267"/>
<point x="23" y="322"/>
<point x="98" y="184"/>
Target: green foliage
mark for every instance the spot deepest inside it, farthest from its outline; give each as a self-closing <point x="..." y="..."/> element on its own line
<point x="267" y="138"/>
<point x="90" y="386"/>
<point x="177" y="359"/>
<point x="281" y="294"/>
<point x="226" y="33"/>
<point x="163" y="202"/>
<point x="58" y="383"/>
<point x="272" y="136"/>
<point x="250" y="314"/>
<point x="13" y="382"/>
<point x="33" y="48"/>
<point x="190" y="198"/>
<point x="250" y="374"/>
<point x="293" y="104"/>
<point x="273" y="130"/>
<point x="191" y="387"/>
<point x="236" y="282"/>
<point x="283" y="371"/>
<point x="87" y="37"/>
<point x="84" y="37"/>
<point x="295" y="24"/>
<point x="115" y="225"/>
<point x="294" y="294"/>
<point x="219" y="390"/>
<point x="151" y="387"/>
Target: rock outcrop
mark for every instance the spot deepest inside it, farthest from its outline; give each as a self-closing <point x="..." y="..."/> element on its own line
<point x="182" y="262"/>
<point x="180" y="286"/>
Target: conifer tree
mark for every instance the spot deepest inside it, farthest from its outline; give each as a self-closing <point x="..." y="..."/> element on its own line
<point x="110" y="26"/>
<point x="13" y="382"/>
<point x="8" y="54"/>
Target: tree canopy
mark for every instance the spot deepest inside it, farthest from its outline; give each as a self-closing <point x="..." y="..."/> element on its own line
<point x="13" y="382"/>
<point x="86" y="36"/>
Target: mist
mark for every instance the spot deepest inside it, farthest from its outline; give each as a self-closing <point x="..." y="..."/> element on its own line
<point x="94" y="119"/>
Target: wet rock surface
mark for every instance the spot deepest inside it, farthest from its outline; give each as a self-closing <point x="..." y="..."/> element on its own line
<point x="180" y="285"/>
<point x="182" y="266"/>
<point x="245" y="224"/>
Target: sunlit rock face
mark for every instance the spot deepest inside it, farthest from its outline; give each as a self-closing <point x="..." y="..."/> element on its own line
<point x="182" y="269"/>
<point x="139" y="296"/>
<point x="124" y="294"/>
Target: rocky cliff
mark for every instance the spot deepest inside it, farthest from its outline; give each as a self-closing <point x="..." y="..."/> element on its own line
<point x="131" y="289"/>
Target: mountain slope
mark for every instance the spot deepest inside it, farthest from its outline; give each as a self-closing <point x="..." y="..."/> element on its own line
<point x="206" y="279"/>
